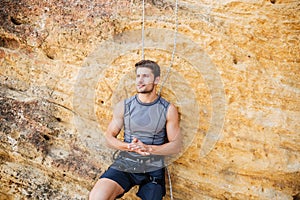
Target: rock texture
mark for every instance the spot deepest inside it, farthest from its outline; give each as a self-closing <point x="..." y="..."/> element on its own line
<point x="235" y="80"/>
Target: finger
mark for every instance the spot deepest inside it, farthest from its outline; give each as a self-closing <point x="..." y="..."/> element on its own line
<point x="146" y="153"/>
<point x="132" y="147"/>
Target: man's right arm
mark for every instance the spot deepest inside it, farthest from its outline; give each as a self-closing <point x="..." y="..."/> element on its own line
<point x="115" y="127"/>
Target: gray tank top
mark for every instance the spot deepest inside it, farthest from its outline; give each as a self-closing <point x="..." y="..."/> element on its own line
<point x="145" y="121"/>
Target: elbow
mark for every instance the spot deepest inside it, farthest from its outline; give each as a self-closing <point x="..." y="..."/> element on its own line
<point x="107" y="144"/>
<point x="108" y="141"/>
<point x="179" y="148"/>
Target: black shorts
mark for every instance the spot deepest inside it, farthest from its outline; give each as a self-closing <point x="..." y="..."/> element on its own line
<point x="151" y="184"/>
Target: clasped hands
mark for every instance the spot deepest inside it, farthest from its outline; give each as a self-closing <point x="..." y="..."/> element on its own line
<point x="139" y="147"/>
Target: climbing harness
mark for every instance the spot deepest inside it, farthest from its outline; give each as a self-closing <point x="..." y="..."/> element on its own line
<point x="174" y="44"/>
<point x="128" y="163"/>
<point x="170" y="66"/>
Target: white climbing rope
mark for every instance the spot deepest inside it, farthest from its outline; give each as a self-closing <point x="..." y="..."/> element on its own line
<point x="174" y="46"/>
<point x="143" y="31"/>
<point x="169" y="68"/>
<point x="170" y="183"/>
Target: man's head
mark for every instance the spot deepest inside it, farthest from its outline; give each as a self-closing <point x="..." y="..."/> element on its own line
<point x="147" y="76"/>
<point x="149" y="64"/>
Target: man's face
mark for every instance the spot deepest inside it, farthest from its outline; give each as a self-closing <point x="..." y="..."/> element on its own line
<point x="145" y="81"/>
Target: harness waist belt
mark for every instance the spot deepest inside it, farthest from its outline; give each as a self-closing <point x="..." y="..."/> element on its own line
<point x="140" y="159"/>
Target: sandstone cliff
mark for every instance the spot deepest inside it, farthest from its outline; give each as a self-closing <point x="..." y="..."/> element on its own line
<point x="235" y="80"/>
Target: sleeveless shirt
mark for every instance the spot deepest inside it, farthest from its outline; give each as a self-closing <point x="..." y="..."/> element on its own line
<point x="145" y="121"/>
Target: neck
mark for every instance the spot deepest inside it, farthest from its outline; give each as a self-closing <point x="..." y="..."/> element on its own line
<point x="147" y="97"/>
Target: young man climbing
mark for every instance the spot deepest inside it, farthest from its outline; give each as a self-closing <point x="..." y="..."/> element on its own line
<point x="151" y="131"/>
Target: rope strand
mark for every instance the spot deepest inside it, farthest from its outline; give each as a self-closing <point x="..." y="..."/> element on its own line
<point x="176" y="31"/>
<point x="143" y="31"/>
<point x="169" y="68"/>
<point x="174" y="48"/>
<point x="170" y="183"/>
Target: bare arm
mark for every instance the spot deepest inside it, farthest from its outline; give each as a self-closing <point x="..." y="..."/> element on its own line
<point x="173" y="133"/>
<point x="174" y="137"/>
<point x="115" y="127"/>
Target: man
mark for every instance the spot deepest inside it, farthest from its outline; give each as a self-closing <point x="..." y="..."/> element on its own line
<point x="151" y="131"/>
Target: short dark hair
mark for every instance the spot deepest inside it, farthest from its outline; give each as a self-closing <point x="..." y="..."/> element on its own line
<point x="149" y="64"/>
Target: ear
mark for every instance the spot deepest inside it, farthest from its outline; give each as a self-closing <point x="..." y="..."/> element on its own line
<point x="156" y="81"/>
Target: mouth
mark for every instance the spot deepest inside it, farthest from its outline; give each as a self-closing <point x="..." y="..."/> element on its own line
<point x="141" y="86"/>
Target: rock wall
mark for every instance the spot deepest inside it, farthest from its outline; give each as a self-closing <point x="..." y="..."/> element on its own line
<point x="235" y="80"/>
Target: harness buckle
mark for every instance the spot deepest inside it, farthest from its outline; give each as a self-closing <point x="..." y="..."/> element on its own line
<point x="153" y="180"/>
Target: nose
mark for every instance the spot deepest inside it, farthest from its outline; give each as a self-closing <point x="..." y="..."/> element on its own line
<point x="140" y="79"/>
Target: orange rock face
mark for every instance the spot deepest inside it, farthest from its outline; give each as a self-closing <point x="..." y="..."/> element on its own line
<point x="234" y="79"/>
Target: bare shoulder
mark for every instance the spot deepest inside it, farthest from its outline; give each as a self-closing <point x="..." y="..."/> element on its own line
<point x="119" y="109"/>
<point x="172" y="112"/>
